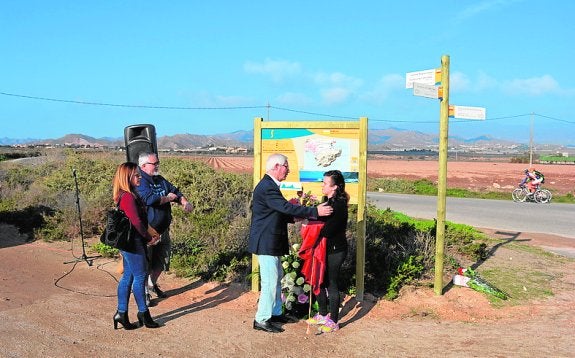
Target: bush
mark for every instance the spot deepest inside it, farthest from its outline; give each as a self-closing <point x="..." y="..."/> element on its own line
<point x="105" y="250"/>
<point x="211" y="241"/>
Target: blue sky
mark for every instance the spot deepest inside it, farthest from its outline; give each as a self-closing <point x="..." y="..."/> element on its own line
<point x="213" y="66"/>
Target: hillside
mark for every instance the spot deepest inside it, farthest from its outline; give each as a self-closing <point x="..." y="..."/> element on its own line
<point x="391" y="139"/>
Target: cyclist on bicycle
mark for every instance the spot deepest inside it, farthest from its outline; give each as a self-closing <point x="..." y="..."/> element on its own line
<point x="532" y="178"/>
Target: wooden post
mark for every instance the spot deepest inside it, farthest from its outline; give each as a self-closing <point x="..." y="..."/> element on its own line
<point x="361" y="211"/>
<point x="442" y="176"/>
<point x="256" y="179"/>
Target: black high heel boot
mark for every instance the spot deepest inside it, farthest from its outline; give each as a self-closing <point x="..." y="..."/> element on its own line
<point x="122" y="318"/>
<point x="144" y="318"/>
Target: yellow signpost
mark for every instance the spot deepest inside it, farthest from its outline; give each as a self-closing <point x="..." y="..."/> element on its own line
<point x="442" y="177"/>
<point x="423" y="83"/>
<point x="312" y="148"/>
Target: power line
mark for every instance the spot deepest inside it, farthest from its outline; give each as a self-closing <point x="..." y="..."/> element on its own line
<point x="268" y="106"/>
<point x="555" y="119"/>
<point x="313" y="113"/>
<point x="124" y="105"/>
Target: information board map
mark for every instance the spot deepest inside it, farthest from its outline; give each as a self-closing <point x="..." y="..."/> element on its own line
<point x="312" y="152"/>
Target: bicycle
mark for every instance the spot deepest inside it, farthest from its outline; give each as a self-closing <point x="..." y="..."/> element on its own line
<point x="522" y="194"/>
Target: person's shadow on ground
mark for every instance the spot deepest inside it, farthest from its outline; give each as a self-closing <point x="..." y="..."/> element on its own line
<point x="225" y="294"/>
<point x="355" y="310"/>
<point x="505" y="237"/>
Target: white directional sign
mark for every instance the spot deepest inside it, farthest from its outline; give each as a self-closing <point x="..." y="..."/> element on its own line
<point x="423" y="90"/>
<point x="469" y="112"/>
<point x="426" y="77"/>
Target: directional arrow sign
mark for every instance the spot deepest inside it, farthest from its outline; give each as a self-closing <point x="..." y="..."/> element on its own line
<point x="469" y="112"/>
<point x="427" y="77"/>
<point x="423" y="90"/>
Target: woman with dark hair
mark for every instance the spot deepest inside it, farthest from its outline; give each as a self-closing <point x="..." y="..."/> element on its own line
<point x="126" y="180"/>
<point x="333" y="231"/>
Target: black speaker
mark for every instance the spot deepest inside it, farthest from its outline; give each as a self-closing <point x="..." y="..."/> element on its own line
<point x="139" y="138"/>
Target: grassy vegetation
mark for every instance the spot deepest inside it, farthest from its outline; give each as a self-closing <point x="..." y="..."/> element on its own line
<point x="427" y="187"/>
<point x="556" y="159"/>
<point x="211" y="242"/>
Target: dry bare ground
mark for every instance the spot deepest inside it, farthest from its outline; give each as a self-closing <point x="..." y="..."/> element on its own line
<point x="52" y="309"/>
<point x="472" y="175"/>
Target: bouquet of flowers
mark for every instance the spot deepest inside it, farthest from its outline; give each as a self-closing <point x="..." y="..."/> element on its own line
<point x="305" y="199"/>
<point x="294" y="289"/>
<point x="478" y="284"/>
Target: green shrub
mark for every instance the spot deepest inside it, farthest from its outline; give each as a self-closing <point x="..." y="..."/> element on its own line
<point x="105" y="250"/>
<point x="211" y="241"/>
<point x="407" y="271"/>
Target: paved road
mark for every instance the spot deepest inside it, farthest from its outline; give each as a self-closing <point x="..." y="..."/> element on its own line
<point x="551" y="218"/>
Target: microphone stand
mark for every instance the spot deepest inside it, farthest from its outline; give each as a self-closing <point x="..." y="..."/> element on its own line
<point x="89" y="259"/>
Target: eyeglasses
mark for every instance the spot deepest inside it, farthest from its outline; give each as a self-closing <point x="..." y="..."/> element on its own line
<point x="156" y="163"/>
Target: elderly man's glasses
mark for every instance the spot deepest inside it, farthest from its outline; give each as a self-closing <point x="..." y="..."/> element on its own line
<point x="155" y="163"/>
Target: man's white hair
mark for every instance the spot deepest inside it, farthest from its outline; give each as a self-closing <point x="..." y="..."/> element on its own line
<point x="143" y="157"/>
<point x="275" y="159"/>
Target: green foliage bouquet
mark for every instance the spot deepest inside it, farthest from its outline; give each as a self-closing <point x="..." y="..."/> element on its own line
<point x="480" y="285"/>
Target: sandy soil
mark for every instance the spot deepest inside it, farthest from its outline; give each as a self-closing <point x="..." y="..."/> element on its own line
<point x="51" y="308"/>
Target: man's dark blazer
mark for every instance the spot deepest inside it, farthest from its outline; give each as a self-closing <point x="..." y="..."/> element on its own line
<point x="271" y="213"/>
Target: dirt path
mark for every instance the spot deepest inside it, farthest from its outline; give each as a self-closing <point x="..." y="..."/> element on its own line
<point x="52" y="309"/>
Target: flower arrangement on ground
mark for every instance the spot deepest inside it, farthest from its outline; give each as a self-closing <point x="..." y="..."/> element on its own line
<point x="479" y="284"/>
<point x="295" y="291"/>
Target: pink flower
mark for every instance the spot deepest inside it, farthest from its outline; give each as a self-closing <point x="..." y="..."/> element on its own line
<point x="302" y="298"/>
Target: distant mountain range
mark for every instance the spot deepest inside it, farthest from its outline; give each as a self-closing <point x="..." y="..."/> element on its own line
<point x="378" y="139"/>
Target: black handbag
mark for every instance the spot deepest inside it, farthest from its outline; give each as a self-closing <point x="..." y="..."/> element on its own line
<point x="118" y="230"/>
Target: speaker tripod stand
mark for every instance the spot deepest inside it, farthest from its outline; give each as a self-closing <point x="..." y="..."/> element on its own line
<point x="88" y="259"/>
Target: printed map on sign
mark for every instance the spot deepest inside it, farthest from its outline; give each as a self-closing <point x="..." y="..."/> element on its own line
<point x="324" y="152"/>
<point x="311" y="154"/>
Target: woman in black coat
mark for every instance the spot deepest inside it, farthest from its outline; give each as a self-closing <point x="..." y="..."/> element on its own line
<point x="333" y="231"/>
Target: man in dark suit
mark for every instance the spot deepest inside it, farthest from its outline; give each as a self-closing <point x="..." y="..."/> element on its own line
<point x="271" y="213"/>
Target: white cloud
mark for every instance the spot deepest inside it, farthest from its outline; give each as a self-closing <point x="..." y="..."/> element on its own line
<point x="336" y="87"/>
<point x="535" y="86"/>
<point x="484" y="82"/>
<point x="483" y="6"/>
<point x="335" y="95"/>
<point x="459" y="82"/>
<point x="383" y="88"/>
<point x="205" y="99"/>
<point x="294" y="99"/>
<point x="337" y="79"/>
<point x="277" y="70"/>
<point x="333" y="88"/>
